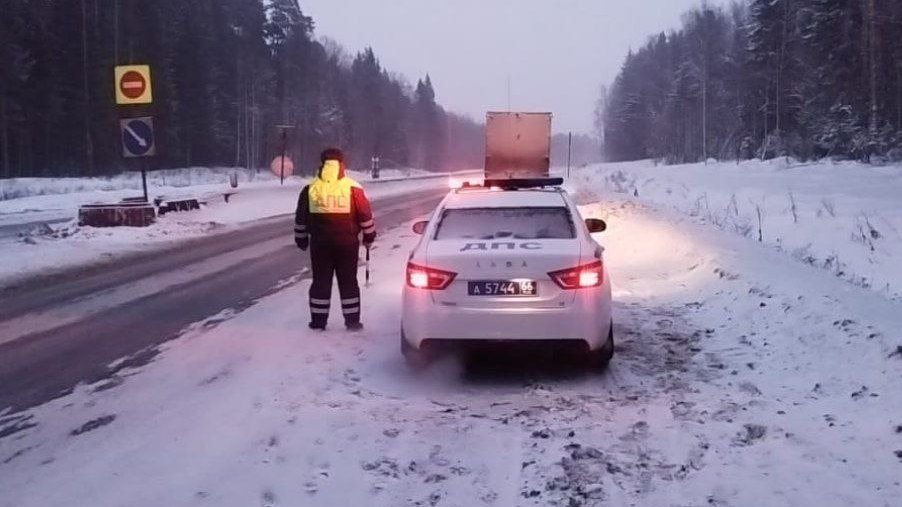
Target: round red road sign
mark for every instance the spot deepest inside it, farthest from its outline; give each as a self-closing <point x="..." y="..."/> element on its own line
<point x="132" y="84"/>
<point x="277" y="166"/>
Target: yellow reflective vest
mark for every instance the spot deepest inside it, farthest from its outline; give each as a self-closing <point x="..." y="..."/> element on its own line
<point x="334" y="209"/>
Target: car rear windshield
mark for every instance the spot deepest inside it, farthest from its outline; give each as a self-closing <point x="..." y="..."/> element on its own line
<point x="498" y="223"/>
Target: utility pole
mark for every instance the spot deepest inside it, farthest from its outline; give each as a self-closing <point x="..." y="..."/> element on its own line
<point x="89" y="142"/>
<point x="116" y="32"/>
<point x="508" y="92"/>
<point x="872" y="60"/>
<point x="4" y="134"/>
<point x="569" y="151"/>
<point x="705" y="85"/>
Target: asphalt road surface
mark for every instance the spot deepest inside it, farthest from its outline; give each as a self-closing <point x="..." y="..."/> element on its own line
<point x="77" y="326"/>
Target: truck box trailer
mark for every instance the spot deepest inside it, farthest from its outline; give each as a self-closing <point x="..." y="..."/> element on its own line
<point x="517" y="145"/>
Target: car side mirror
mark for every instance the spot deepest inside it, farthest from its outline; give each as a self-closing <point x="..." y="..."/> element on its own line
<point x="420" y="227"/>
<point x="596" y="225"/>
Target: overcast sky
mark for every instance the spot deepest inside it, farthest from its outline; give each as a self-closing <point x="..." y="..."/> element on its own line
<point x="556" y="52"/>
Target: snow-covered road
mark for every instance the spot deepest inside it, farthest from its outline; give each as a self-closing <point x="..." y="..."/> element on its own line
<point x="33" y="249"/>
<point x="742" y="378"/>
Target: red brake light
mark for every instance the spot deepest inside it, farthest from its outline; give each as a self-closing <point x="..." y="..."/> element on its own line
<point x="587" y="275"/>
<point x="422" y="277"/>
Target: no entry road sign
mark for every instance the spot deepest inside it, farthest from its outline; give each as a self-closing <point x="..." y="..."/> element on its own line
<point x="137" y="137"/>
<point x="133" y="84"/>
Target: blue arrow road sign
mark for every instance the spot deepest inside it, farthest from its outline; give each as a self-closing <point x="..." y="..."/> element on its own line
<point x="137" y="137"/>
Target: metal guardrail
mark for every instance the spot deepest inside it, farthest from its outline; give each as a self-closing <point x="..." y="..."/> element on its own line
<point x="475" y="172"/>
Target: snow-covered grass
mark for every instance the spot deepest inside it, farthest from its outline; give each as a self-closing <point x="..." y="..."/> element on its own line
<point x="17" y="188"/>
<point x="844" y="217"/>
<point x="741" y="378"/>
<point x="66" y="244"/>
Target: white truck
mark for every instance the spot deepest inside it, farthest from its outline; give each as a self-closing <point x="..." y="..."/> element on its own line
<point x="517" y="145"/>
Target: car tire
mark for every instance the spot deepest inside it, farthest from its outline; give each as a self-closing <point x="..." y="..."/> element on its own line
<point x="601" y="357"/>
<point x="415" y="358"/>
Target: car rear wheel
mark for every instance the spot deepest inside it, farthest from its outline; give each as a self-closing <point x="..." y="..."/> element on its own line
<point x="415" y="358"/>
<point x="600" y="358"/>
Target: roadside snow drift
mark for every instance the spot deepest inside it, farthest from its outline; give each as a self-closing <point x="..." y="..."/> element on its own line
<point x="845" y="218"/>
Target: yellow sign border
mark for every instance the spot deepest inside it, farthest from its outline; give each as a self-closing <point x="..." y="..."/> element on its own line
<point x="144" y="70"/>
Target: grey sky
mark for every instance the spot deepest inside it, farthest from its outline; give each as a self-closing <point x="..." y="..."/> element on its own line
<point x="557" y="52"/>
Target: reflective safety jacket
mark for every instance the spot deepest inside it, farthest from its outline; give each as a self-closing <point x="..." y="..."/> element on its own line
<point x="333" y="209"/>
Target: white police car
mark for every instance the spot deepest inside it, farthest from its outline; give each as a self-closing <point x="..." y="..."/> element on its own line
<point x="514" y="263"/>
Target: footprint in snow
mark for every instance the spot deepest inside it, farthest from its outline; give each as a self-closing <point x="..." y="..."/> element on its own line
<point x="351" y="376"/>
<point x="749" y="388"/>
<point x="92" y="425"/>
<point x="750" y="434"/>
<point x="638" y="431"/>
<point x="268" y="499"/>
<point x="861" y="393"/>
<point x="682" y="410"/>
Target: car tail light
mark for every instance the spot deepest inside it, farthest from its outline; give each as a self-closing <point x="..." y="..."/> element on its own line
<point x="422" y="277"/>
<point x="587" y="275"/>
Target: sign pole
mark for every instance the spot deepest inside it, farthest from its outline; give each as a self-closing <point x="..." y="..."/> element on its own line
<point x="283" y="129"/>
<point x="282" y="169"/>
<point x="144" y="180"/>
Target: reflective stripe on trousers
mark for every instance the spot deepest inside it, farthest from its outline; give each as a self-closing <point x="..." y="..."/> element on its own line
<point x="350" y="306"/>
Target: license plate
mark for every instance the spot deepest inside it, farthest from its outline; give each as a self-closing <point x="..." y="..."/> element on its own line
<point x="503" y="288"/>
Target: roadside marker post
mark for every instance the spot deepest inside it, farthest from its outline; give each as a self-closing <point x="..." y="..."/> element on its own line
<point x="375" y="167"/>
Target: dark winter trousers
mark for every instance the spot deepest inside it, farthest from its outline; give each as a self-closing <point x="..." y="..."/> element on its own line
<point x="339" y="261"/>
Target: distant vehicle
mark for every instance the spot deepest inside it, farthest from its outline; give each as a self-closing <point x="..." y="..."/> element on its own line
<point x="509" y="261"/>
<point x="517" y="145"/>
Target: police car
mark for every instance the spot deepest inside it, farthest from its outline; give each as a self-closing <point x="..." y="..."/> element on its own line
<point x="507" y="261"/>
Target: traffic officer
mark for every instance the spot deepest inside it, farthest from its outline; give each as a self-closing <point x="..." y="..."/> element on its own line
<point x="332" y="212"/>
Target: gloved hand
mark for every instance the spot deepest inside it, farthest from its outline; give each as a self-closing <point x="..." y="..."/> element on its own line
<point x="369" y="239"/>
<point x="302" y="243"/>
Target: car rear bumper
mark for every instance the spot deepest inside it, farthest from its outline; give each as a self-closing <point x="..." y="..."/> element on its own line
<point x="587" y="319"/>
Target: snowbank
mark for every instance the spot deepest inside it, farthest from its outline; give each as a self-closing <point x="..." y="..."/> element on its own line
<point x="842" y="217"/>
<point x="17" y="188"/>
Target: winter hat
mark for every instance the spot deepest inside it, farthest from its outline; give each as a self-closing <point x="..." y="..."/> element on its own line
<point x="332" y="154"/>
